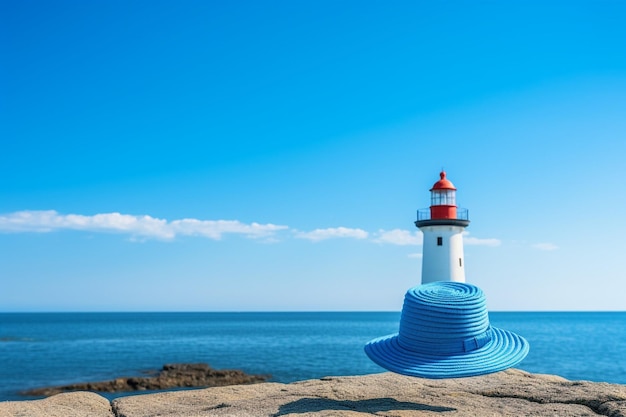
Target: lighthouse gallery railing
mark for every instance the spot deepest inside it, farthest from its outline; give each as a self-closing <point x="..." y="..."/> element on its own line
<point x="424" y="214"/>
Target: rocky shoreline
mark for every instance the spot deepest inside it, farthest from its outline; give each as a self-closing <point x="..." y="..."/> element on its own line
<point x="177" y="375"/>
<point x="508" y="393"/>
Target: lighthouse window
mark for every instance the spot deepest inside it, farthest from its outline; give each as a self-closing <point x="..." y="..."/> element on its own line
<point x="460" y="262"/>
<point x="443" y="198"/>
<point x="439" y="241"/>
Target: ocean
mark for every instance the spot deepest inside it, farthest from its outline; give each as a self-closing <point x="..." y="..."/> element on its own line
<point x="47" y="349"/>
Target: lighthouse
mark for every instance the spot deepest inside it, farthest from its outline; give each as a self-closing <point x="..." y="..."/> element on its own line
<point x="443" y="224"/>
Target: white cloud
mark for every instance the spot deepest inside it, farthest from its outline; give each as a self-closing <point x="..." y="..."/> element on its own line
<point x="214" y="229"/>
<point x="136" y="226"/>
<point x="399" y="237"/>
<point x="415" y="255"/>
<point x="147" y="227"/>
<point x="29" y="221"/>
<point x="545" y="246"/>
<point x="331" y="233"/>
<point x="405" y="237"/>
<point x="482" y="242"/>
<point x="475" y="241"/>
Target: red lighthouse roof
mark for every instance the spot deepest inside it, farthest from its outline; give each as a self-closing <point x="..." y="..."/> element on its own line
<point x="443" y="183"/>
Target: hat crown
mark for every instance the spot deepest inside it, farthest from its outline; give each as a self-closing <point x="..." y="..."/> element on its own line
<point x="444" y="318"/>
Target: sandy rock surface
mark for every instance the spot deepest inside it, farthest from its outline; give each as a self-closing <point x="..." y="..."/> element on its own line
<point x="75" y="404"/>
<point x="508" y="393"/>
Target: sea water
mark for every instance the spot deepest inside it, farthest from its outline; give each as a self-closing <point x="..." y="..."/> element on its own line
<point x="47" y="349"/>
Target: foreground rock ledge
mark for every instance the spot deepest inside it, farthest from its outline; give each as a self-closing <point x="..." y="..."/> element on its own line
<point x="508" y="393"/>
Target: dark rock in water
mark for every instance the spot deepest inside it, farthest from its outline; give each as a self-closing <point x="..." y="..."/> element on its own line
<point x="177" y="375"/>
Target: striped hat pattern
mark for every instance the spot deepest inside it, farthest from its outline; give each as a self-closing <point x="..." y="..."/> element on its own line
<point x="445" y="333"/>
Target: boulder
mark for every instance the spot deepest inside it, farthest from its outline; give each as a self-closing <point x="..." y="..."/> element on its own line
<point x="75" y="404"/>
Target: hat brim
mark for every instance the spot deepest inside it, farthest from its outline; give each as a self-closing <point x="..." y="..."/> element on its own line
<point x="506" y="349"/>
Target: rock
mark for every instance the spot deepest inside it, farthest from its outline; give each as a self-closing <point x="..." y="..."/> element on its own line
<point x="508" y="393"/>
<point x="184" y="375"/>
<point x="75" y="404"/>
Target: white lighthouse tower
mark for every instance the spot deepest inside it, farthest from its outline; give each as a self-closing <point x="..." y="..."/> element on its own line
<point x="443" y="225"/>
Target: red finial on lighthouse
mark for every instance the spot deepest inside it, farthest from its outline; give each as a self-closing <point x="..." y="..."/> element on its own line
<point x="443" y="183"/>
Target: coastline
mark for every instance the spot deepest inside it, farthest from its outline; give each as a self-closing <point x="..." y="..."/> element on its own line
<point x="508" y="393"/>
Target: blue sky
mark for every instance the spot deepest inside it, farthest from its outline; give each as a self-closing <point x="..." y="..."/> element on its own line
<point x="233" y="156"/>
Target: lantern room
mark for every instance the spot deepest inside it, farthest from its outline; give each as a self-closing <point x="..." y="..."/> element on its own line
<point x="443" y="199"/>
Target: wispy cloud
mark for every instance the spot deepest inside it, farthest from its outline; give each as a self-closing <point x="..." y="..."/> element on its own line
<point x="405" y="237"/>
<point x="214" y="229"/>
<point x="332" y="233"/>
<point x="471" y="240"/>
<point x="399" y="237"/>
<point x="545" y="246"/>
<point x="144" y="227"/>
<point x="415" y="255"/>
<point x="136" y="226"/>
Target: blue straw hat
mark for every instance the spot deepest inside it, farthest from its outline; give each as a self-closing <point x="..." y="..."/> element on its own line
<point x="445" y="333"/>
